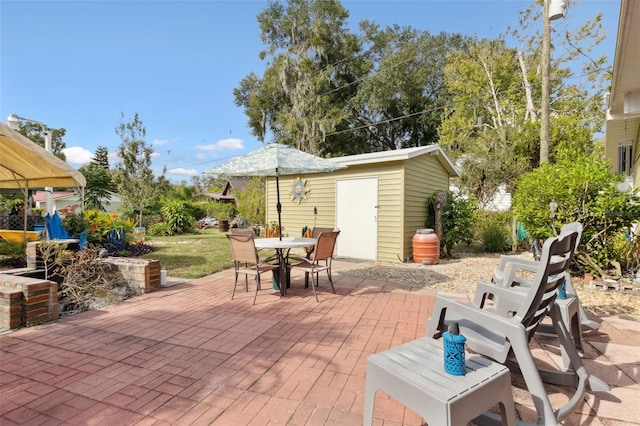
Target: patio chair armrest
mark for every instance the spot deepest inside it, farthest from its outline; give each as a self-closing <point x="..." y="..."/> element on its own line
<point x="465" y="310"/>
<point x="298" y="258"/>
<point x="504" y="260"/>
<point x="506" y="299"/>
<point x="507" y="275"/>
<point x="268" y="259"/>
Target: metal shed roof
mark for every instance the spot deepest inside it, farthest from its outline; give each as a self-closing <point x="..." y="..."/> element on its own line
<point x="399" y="155"/>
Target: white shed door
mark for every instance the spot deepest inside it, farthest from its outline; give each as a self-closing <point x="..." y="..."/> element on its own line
<point x="357" y="218"/>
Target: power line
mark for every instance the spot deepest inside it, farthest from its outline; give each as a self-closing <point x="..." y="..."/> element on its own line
<point x="390" y="120"/>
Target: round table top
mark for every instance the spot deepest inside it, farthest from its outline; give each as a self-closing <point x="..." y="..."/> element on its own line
<point x="285" y="242"/>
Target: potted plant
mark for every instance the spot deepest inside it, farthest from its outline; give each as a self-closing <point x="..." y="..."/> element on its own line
<point x="224" y="212"/>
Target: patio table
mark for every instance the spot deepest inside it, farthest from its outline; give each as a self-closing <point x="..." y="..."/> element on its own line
<point x="282" y="248"/>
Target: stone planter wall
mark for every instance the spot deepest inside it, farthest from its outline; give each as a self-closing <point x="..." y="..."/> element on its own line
<point x="27" y="301"/>
<point x="34" y="256"/>
<point x="143" y="275"/>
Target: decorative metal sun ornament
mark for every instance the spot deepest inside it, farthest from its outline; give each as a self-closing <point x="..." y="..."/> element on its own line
<point x="299" y="190"/>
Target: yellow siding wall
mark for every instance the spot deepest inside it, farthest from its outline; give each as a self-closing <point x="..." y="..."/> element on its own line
<point x="422" y="176"/>
<point x="402" y="207"/>
<point x="297" y="215"/>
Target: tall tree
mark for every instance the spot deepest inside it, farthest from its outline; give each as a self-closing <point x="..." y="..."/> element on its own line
<point x="207" y="183"/>
<point x="133" y="176"/>
<point x="491" y="125"/>
<point x="302" y="95"/>
<point x="99" y="183"/>
<point x="484" y="126"/>
<point x="330" y="92"/>
<point x="579" y="76"/>
<point x="101" y="157"/>
<point x="33" y="131"/>
<point x="399" y="105"/>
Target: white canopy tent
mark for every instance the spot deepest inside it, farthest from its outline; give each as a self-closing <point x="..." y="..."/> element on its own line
<point x="26" y="165"/>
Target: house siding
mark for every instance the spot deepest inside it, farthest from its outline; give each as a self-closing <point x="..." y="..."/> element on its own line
<point x="422" y="176"/>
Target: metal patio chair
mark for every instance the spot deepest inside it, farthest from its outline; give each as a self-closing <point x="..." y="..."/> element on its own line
<point x="315" y="231"/>
<point x="320" y="259"/>
<point x="247" y="261"/>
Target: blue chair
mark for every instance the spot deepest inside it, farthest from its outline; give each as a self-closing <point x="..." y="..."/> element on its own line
<point x="55" y="230"/>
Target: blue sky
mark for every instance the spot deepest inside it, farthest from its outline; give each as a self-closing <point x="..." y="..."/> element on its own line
<point x="80" y="64"/>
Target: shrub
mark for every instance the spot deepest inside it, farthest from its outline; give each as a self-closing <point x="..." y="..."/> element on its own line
<point x="457" y="220"/>
<point x="584" y="189"/>
<point x="496" y="238"/>
<point x="13" y="254"/>
<point x="198" y="210"/>
<point x="485" y="218"/>
<point x="178" y="216"/>
<point x="161" y="229"/>
<point x="251" y="201"/>
<point x="74" y="224"/>
<point x="223" y="211"/>
<point x="625" y="250"/>
<point x="100" y="224"/>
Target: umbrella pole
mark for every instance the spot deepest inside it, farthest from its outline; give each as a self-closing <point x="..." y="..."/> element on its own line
<point x="279" y="206"/>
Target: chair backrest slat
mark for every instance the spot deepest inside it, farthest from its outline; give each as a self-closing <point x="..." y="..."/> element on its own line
<point x="317" y="230"/>
<point x="243" y="248"/>
<point x="325" y="245"/>
<point x="556" y="256"/>
<point x="241" y="231"/>
<point x="568" y="228"/>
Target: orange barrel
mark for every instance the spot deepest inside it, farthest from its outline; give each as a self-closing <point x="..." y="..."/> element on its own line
<point x="426" y="246"/>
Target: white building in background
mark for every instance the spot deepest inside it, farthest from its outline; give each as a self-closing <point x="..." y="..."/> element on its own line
<point x="66" y="202"/>
<point x="500" y="201"/>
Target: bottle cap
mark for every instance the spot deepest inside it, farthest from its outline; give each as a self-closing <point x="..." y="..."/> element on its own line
<point x="454" y="329"/>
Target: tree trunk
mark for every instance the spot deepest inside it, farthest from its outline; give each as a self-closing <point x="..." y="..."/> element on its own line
<point x="531" y="110"/>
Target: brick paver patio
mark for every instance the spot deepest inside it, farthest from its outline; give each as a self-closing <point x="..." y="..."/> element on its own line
<point x="189" y="355"/>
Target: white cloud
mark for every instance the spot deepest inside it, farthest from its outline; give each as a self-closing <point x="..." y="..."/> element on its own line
<point x="155" y="154"/>
<point x="231" y="144"/>
<point x="200" y="156"/>
<point x="181" y="171"/>
<point x="158" y="142"/>
<point x="113" y="157"/>
<point x="78" y="155"/>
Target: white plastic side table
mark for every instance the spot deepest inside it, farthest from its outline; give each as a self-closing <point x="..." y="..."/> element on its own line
<point x="414" y="375"/>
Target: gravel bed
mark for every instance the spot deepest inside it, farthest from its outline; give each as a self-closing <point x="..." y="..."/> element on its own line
<point x="460" y="276"/>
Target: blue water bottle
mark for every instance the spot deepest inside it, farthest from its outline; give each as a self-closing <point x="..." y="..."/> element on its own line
<point x="562" y="290"/>
<point x="454" y="350"/>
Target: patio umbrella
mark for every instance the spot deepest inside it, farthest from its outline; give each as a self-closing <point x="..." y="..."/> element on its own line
<point x="275" y="160"/>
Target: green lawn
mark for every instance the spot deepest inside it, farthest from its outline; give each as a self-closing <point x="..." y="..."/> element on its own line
<point x="192" y="255"/>
<point x="198" y="255"/>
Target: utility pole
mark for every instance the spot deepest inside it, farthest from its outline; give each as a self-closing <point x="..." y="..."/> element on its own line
<point x="546" y="59"/>
<point x="549" y="13"/>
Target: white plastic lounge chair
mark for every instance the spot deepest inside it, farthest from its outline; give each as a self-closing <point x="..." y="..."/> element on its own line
<point x="504" y="335"/>
<point x="509" y="274"/>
